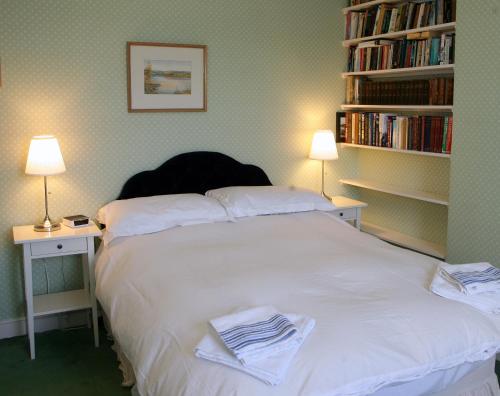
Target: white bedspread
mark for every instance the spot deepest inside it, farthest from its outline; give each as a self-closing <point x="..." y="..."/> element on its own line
<point x="376" y="321"/>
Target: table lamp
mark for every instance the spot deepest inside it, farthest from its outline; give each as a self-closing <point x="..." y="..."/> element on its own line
<point x="323" y="148"/>
<point x="45" y="159"/>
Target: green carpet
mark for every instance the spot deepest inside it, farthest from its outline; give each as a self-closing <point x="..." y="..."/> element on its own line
<point x="66" y="364"/>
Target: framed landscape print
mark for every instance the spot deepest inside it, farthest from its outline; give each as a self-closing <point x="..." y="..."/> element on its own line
<point x="166" y="77"/>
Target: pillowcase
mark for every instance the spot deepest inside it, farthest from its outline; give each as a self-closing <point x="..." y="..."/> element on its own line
<point x="145" y="215"/>
<point x="266" y="200"/>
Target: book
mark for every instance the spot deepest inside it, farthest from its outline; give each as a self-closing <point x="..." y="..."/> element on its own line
<point x="402" y="132"/>
<point x="435" y="91"/>
<point x="402" y="53"/>
<point x="384" y="18"/>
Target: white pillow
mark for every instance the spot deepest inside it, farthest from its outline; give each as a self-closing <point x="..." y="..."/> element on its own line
<point x="265" y="200"/>
<point x="138" y="216"/>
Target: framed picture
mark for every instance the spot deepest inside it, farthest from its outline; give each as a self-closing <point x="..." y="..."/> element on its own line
<point x="166" y="77"/>
<point x="341" y="136"/>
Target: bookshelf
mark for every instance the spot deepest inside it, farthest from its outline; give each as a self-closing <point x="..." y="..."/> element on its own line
<point x="393" y="150"/>
<point x="369" y="4"/>
<point x="400" y="108"/>
<point x="397" y="190"/>
<point x="370" y="64"/>
<point x="444" y="27"/>
<point x="423" y="71"/>
<point x="400" y="239"/>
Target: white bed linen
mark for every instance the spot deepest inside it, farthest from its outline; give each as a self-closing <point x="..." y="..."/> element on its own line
<point x="376" y="321"/>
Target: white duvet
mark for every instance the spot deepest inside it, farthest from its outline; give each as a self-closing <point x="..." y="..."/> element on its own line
<point x="376" y="321"/>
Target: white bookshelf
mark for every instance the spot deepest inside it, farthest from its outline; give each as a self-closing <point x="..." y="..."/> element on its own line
<point x="369" y="4"/>
<point x="400" y="191"/>
<point x="443" y="27"/>
<point x="393" y="150"/>
<point x="423" y="71"/>
<point x="411" y="73"/>
<point x="399" y="108"/>
<point x="404" y="240"/>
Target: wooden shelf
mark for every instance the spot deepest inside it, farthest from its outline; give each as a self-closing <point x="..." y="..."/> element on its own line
<point x="400" y="108"/>
<point x="397" y="190"/>
<point x="411" y="152"/>
<point x="400" y="239"/>
<point x="46" y="304"/>
<point x="444" y="27"/>
<point x="369" y="4"/>
<point x="437" y="70"/>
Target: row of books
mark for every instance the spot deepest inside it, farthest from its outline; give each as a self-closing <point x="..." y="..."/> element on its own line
<point x="386" y="18"/>
<point x="436" y="91"/>
<point x="420" y="133"/>
<point x="395" y="54"/>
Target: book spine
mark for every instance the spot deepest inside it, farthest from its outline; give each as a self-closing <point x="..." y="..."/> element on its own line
<point x="445" y="134"/>
<point x="449" y="135"/>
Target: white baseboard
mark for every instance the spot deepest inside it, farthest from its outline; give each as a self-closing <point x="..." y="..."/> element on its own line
<point x="17" y="327"/>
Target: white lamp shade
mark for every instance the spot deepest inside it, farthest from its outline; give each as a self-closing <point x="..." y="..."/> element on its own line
<point x="44" y="157"/>
<point x="323" y="146"/>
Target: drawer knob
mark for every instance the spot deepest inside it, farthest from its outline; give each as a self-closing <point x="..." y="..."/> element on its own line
<point x="59" y="246"/>
<point x="341" y="214"/>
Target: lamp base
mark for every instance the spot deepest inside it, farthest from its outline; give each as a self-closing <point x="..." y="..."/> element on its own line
<point x="47" y="226"/>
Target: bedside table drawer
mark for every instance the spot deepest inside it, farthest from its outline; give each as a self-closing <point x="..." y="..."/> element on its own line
<point x="63" y="246"/>
<point x="345" y="214"/>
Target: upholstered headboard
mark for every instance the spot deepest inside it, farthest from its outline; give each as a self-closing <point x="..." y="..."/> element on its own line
<point x="194" y="172"/>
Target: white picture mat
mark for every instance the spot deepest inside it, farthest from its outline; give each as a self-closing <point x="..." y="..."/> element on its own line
<point x="140" y="100"/>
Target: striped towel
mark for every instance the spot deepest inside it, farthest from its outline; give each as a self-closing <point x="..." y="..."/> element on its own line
<point x="272" y="369"/>
<point x="256" y="333"/>
<point x="488" y="302"/>
<point x="472" y="279"/>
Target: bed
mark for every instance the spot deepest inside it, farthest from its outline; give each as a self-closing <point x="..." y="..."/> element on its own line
<point x="379" y="330"/>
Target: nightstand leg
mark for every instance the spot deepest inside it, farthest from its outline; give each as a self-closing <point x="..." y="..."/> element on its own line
<point x="28" y="293"/>
<point x="93" y="301"/>
<point x="85" y="271"/>
<point x="357" y="222"/>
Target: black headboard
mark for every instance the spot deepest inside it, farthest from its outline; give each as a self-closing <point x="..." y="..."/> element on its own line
<point x="195" y="172"/>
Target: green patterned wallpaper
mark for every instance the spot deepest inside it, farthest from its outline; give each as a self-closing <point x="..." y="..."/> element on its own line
<point x="474" y="225"/>
<point x="273" y="78"/>
<point x="273" y="69"/>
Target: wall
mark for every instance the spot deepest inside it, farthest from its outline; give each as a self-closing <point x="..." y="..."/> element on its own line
<point x="273" y="78"/>
<point x="475" y="177"/>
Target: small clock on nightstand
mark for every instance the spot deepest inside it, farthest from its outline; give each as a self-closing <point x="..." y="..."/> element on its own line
<point x="348" y="209"/>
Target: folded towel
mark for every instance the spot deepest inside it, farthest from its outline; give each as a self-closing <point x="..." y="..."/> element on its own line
<point x="472" y="278"/>
<point x="488" y="302"/>
<point x="256" y="333"/>
<point x="271" y="369"/>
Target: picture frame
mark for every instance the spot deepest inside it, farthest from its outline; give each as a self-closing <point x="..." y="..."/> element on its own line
<point x="340" y="127"/>
<point x="166" y="77"/>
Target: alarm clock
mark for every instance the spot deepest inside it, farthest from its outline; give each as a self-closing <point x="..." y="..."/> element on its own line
<point x="76" y="221"/>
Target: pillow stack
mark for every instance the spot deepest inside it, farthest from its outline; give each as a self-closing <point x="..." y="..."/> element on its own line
<point x="138" y="216"/>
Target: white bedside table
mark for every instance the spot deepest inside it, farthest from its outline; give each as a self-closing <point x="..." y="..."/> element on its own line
<point x="64" y="242"/>
<point x="349" y="209"/>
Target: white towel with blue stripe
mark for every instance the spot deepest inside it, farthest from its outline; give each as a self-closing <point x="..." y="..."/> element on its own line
<point x="270" y="369"/>
<point x="256" y="333"/>
<point x="472" y="278"/>
<point x="486" y="301"/>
